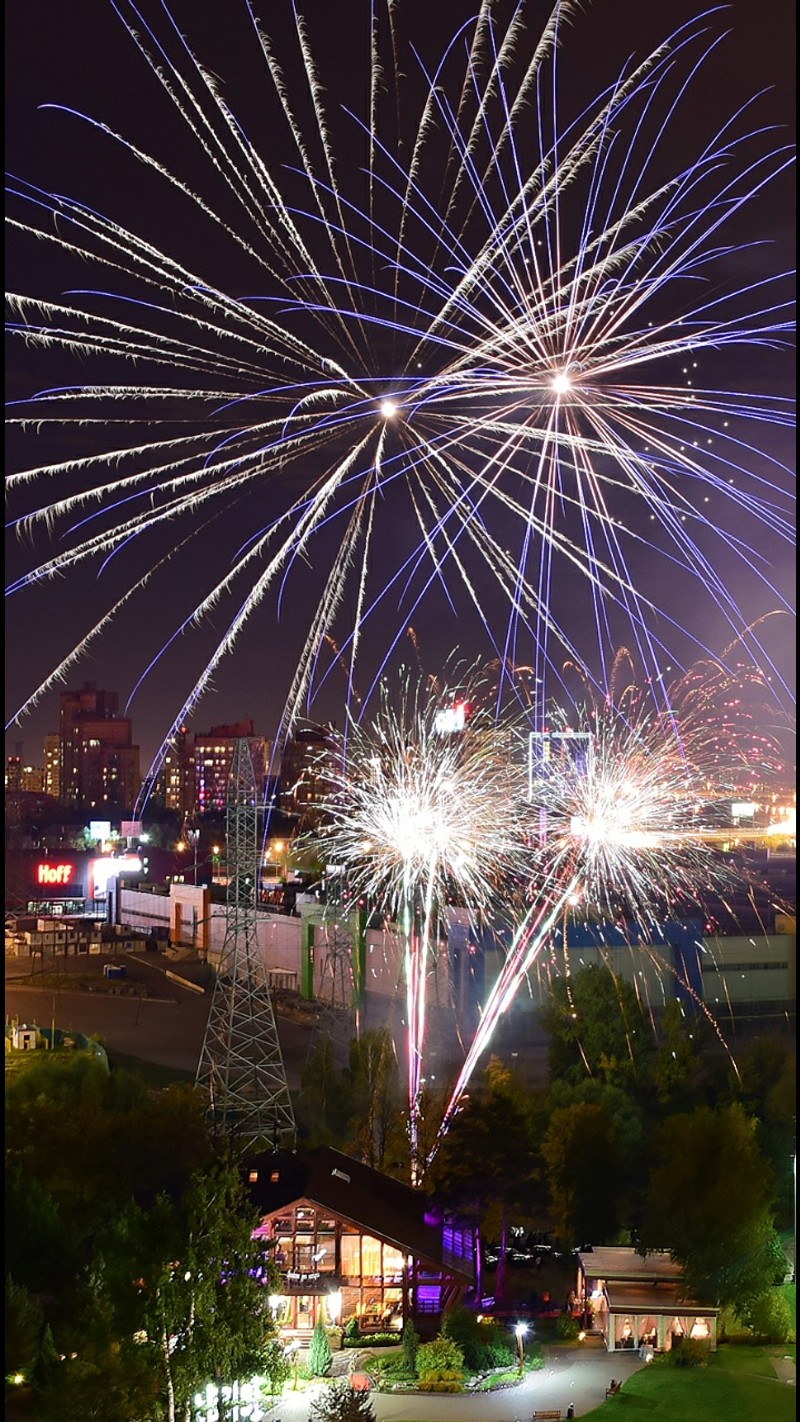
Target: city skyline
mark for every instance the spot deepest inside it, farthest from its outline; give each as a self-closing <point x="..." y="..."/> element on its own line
<point x="67" y="156"/>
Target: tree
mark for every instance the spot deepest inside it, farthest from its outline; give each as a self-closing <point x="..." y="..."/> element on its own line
<point x="93" y="1373"/>
<point x="320" y="1356"/>
<point x="342" y="1403"/>
<point x="92" y="1140"/>
<point x="24" y="1324"/>
<point x="194" y="1285"/>
<point x="628" y="1168"/>
<point x="579" y="1148"/>
<point x="43" y="1250"/>
<point x="375" y="1110"/>
<point x="678" y="1063"/>
<point x="321" y="1104"/>
<point x="766" y="1085"/>
<point x="708" y="1203"/>
<point x="597" y="1027"/>
<point x="410" y="1341"/>
<point x="769" y="1316"/>
<point x="486" y="1162"/>
<point x="359" y="1108"/>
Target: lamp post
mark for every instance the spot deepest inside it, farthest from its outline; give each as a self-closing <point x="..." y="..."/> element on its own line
<point x="193" y="836"/>
<point x="520" y="1329"/>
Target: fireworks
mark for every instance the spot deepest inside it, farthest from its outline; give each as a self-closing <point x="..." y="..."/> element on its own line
<point x="470" y="312"/>
<point x="476" y="346"/>
<point x="625" y="815"/>
<point x="417" y="817"/>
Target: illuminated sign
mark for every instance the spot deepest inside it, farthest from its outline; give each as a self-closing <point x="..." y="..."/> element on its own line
<point x="54" y="873"/>
<point x="110" y="868"/>
<point x="454" y="719"/>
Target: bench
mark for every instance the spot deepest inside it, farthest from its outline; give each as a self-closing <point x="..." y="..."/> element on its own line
<point x="554" y="1415"/>
<point x="613" y="1389"/>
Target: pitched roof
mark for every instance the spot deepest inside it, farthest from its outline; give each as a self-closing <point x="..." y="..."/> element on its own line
<point x="655" y="1299"/>
<point x="370" y="1201"/>
<point x="617" y="1262"/>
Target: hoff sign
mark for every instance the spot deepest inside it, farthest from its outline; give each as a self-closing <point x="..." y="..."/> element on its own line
<point x="51" y="874"/>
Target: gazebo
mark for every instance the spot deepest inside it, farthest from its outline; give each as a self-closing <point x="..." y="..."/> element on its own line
<point x="637" y="1301"/>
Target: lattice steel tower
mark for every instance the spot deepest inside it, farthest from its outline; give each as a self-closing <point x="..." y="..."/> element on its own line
<point x="241" y="1066"/>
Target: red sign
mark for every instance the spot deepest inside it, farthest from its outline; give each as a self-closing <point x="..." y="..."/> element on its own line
<point x="54" y="873"/>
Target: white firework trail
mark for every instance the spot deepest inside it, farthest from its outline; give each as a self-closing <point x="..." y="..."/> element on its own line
<point x="472" y="310"/>
<point x="625" y="816"/>
<point x="415" y="818"/>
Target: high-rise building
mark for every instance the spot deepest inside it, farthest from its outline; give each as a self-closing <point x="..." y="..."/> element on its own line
<point x="52" y="765"/>
<point x="304" y="779"/>
<point x="99" y="762"/>
<point x="213" y="756"/>
<point x="175" y="782"/>
<point x="13" y="781"/>
<point x="32" y="779"/>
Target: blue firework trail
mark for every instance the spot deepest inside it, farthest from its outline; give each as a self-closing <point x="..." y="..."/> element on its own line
<point x="472" y="310"/>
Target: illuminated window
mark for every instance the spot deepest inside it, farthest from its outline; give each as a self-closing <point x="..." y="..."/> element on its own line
<point x="393" y="1262"/>
<point x="371" y="1257"/>
<point x="351" y="1255"/>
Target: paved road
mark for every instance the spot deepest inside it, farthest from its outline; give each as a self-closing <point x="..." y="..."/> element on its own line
<point x="166" y="1028"/>
<point x="571" y="1375"/>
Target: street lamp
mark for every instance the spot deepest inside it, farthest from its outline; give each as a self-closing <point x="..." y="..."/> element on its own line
<point x="520" y="1329"/>
<point x="193" y="836"/>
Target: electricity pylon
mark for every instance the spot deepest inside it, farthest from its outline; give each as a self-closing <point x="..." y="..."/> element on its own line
<point x="241" y="1066"/>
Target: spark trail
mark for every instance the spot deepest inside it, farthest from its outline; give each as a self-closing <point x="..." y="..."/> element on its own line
<point x="621" y="816"/>
<point x="415" y="817"/>
<point x="469" y="312"/>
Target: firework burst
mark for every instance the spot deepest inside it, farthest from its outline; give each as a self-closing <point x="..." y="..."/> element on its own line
<point x="419" y="818"/>
<point x="623" y="821"/>
<point x="474" y="333"/>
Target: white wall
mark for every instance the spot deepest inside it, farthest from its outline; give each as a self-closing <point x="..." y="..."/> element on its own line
<point x="735" y="969"/>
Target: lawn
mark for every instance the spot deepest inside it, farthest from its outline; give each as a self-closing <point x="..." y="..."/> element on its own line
<point x="739" y="1385"/>
<point x="153" y="1074"/>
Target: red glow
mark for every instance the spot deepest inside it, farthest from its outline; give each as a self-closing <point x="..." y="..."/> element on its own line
<point x="54" y="873"/>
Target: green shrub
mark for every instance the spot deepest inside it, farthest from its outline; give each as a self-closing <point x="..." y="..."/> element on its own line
<point x="319" y="1352"/>
<point x="689" y="1353"/>
<point x="440" y="1366"/>
<point x="483" y="1345"/>
<point x="567" y="1326"/>
<point x="351" y="1338"/>
<point x="276" y="1367"/>
<point x="769" y="1317"/>
<point x="410" y="1341"/>
<point x="350" y="1333"/>
<point x="442" y="1380"/>
<point x="340" y="1403"/>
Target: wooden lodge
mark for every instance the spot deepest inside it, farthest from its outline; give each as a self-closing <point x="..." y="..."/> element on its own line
<point x="351" y="1242"/>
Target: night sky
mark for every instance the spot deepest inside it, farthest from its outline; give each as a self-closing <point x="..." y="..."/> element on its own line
<point x="82" y="57"/>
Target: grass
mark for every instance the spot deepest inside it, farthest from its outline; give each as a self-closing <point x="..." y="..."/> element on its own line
<point x="495" y="1381"/>
<point x="738" y="1385"/>
<point x="151" y="1072"/>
